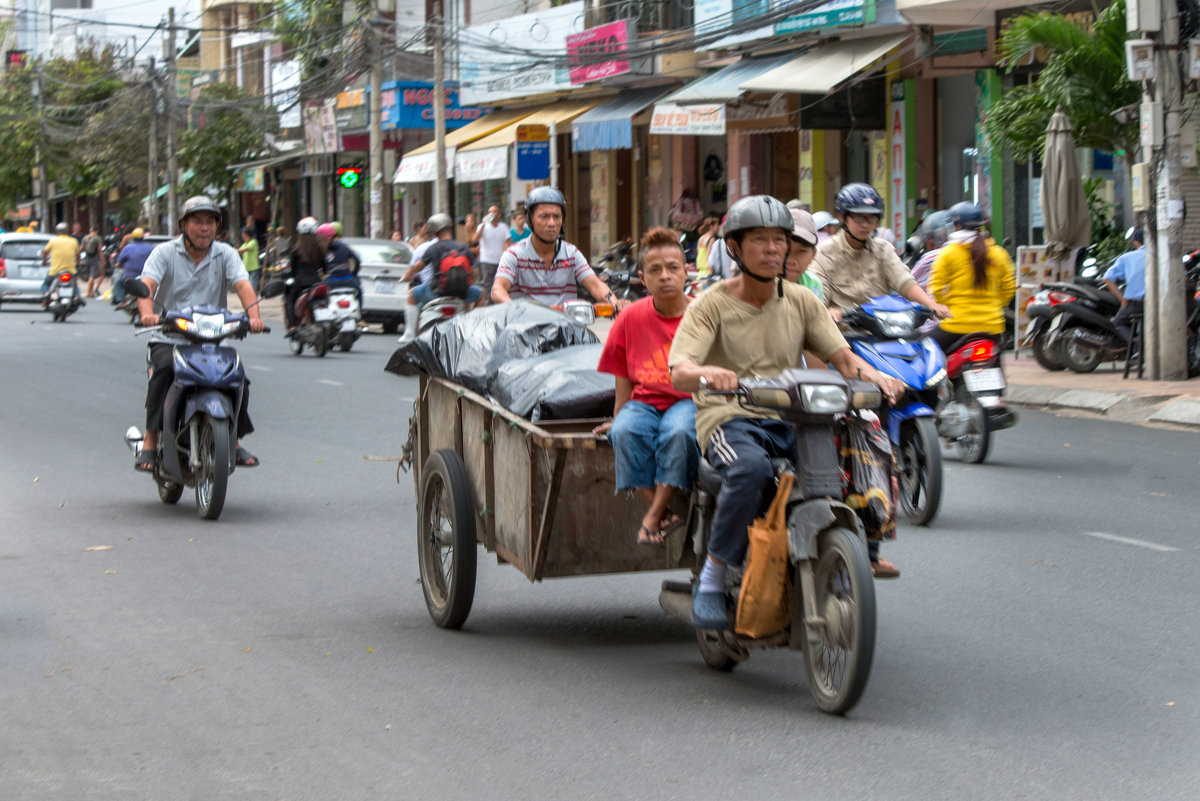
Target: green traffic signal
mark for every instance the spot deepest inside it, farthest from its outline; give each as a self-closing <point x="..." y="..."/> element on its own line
<point x="349" y="177"/>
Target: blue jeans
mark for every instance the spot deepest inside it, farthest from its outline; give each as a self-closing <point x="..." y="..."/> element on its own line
<point x="424" y="293"/>
<point x="655" y="448"/>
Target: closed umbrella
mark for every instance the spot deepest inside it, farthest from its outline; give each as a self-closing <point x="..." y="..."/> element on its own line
<point x="1065" y="221"/>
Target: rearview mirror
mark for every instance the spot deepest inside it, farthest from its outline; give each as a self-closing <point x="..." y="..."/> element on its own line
<point x="272" y="289"/>
<point x="134" y="286"/>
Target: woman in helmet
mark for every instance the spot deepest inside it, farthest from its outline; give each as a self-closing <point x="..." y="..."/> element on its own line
<point x="974" y="277"/>
<point x="755" y="323"/>
<point x="307" y="266"/>
<point x="854" y="266"/>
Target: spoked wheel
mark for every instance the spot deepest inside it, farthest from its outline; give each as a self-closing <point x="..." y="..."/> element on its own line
<point x="1080" y="356"/>
<point x="711" y="651"/>
<point x="295" y="345"/>
<point x="446" y="539"/>
<point x="321" y="345"/>
<point x="213" y="476"/>
<point x="1045" y="356"/>
<point x="975" y="443"/>
<point x="838" y="663"/>
<point x="920" y="470"/>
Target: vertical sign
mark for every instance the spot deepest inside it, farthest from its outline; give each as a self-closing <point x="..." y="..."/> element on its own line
<point x="533" y="152"/>
<point x="897" y="195"/>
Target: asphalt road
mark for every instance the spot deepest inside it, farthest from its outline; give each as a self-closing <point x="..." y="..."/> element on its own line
<point x="1041" y="644"/>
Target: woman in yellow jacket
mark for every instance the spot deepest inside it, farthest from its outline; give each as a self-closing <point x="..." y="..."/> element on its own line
<point x="974" y="277"/>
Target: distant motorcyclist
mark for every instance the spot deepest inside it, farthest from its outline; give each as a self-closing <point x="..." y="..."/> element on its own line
<point x="131" y="259"/>
<point x="428" y="262"/>
<point x="191" y="270"/>
<point x="62" y="254"/>
<point x="931" y="235"/>
<point x="341" y="262"/>
<point x="307" y="265"/>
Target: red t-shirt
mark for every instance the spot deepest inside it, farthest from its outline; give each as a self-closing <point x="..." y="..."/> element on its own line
<point x="637" y="348"/>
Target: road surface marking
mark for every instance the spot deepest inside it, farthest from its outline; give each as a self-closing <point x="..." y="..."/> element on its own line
<point x="1129" y="541"/>
<point x="260" y="367"/>
<point x="331" y="383"/>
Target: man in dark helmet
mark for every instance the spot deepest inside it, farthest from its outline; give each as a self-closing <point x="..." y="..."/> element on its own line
<point x="544" y="267"/>
<point x="754" y="324"/>
<point x="855" y="266"/>
<point x="192" y="270"/>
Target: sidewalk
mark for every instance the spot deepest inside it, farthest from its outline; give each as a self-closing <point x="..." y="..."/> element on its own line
<point x="1103" y="392"/>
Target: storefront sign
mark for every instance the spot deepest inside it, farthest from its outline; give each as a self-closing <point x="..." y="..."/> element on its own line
<point x="409" y="104"/>
<point x="669" y="118"/>
<point x="533" y="152"/>
<point x="517" y="56"/>
<point x="714" y="16"/>
<point x="285" y="92"/>
<point x="829" y="15"/>
<point x="419" y="168"/>
<point x="253" y="180"/>
<point x="897" y="198"/>
<point x="320" y="127"/>
<point x="489" y="164"/>
<point x="587" y="51"/>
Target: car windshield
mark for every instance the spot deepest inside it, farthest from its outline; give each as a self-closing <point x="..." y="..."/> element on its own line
<point x="22" y="250"/>
<point x="382" y="253"/>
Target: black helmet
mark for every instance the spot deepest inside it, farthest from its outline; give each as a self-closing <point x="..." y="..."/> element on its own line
<point x="858" y="199"/>
<point x="544" y="194"/>
<point x="757" y="211"/>
<point x="967" y="215"/>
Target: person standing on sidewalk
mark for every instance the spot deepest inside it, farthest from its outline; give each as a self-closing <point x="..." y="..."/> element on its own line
<point x="493" y="236"/>
<point x="92" y="247"/>
<point x="1131" y="269"/>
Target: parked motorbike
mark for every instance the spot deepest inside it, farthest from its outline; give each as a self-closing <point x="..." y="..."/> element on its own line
<point x="347" y="324"/>
<point x="197" y="445"/>
<point x="63" y="299"/>
<point x="885" y="332"/>
<point x="833" y="615"/>
<point x="618" y="268"/>
<point x="314" y="320"/>
<point x="975" y="406"/>
<point x="697" y="284"/>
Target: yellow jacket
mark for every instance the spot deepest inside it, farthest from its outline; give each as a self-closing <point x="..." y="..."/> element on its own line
<point x="972" y="308"/>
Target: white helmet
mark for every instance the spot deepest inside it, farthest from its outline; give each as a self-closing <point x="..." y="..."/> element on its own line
<point x="308" y="225"/>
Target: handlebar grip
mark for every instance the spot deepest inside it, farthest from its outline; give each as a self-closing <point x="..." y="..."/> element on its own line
<point x="266" y="329"/>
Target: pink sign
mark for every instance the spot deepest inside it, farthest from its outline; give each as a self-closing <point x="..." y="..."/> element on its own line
<point x="587" y="52"/>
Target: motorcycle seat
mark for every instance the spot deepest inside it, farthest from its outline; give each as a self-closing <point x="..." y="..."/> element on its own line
<point x="708" y="478"/>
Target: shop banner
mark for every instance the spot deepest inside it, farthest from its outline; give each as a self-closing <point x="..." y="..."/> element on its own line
<point x="671" y="119"/>
<point x="898" y="192"/>
<point x="533" y="152"/>
<point x="409" y="104"/>
<point x="714" y="16"/>
<point x="488" y="164"/>
<point x="584" y="50"/>
<point x="420" y="168"/>
<point x="320" y="127"/>
<point x="517" y="56"/>
<point x="285" y="92"/>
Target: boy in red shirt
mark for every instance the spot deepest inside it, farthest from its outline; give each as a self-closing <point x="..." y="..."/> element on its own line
<point x="653" y="431"/>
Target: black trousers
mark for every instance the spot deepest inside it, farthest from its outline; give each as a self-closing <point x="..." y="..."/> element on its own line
<point x="1120" y="320"/>
<point x="162" y="373"/>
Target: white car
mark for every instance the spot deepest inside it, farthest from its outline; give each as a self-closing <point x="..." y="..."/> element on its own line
<point x="21" y="268"/>
<point x="381" y="274"/>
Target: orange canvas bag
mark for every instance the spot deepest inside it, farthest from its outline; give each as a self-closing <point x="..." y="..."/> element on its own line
<point x="765" y="601"/>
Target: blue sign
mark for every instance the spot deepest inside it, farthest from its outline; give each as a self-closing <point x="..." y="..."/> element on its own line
<point x="408" y="104"/>
<point x="533" y="152"/>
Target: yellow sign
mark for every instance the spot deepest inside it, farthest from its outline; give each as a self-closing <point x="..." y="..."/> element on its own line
<point x="350" y="99"/>
<point x="533" y="133"/>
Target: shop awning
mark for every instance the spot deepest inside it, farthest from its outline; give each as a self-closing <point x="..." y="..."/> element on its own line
<point x="974" y="13"/>
<point x="162" y="190"/>
<point x="724" y="85"/>
<point x="823" y="69"/>
<point x="486" y="159"/>
<point x="609" y="126"/>
<point x="418" y="164"/>
<point x="267" y="162"/>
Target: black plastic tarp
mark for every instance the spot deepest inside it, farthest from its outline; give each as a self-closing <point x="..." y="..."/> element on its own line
<point x="560" y="385"/>
<point x="470" y="348"/>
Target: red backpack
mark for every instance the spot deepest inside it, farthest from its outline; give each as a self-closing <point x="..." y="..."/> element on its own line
<point x="453" y="275"/>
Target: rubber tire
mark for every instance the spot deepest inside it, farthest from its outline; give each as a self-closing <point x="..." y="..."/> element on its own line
<point x="1048" y="359"/>
<point x="168" y="491"/>
<point x="296" y="346"/>
<point x="1073" y="358"/>
<point x="321" y="346"/>
<point x="447" y="597"/>
<point x="977" y="454"/>
<point x="60" y="317"/>
<point x="712" y="653"/>
<point x="214" y="456"/>
<point x="839" y="545"/>
<point x="345" y="342"/>
<point x="924" y="429"/>
<point x="391" y="327"/>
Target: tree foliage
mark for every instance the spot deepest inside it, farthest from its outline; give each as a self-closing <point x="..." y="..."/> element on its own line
<point x="1084" y="74"/>
<point x="229" y="127"/>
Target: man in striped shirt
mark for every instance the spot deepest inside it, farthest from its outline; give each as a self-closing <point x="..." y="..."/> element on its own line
<point x="543" y="267"/>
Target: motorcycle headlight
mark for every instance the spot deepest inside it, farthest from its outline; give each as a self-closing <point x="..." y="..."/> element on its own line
<point x="209" y="326"/>
<point x="824" y="398"/>
<point x="895" y="323"/>
<point x="936" y="378"/>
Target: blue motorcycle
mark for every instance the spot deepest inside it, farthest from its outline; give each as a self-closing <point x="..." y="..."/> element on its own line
<point x="197" y="445"/>
<point x="885" y="332"/>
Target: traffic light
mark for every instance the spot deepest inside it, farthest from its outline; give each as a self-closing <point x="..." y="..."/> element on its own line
<point x="349" y="177"/>
<point x="17" y="59"/>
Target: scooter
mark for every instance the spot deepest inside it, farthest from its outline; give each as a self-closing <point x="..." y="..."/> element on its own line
<point x="63" y="298"/>
<point x="975" y="406"/>
<point x="314" y="320"/>
<point x="347" y="325"/>
<point x="885" y="332"/>
<point x="197" y="446"/>
<point x="438" y="309"/>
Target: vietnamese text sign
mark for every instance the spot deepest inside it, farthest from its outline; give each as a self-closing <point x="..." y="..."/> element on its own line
<point x="409" y="104"/>
<point x="586" y="52"/>
<point x="517" y="56"/>
<point x="669" y="118"/>
<point x="533" y="152"/>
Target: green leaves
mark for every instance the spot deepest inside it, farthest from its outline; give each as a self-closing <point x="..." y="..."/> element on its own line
<point x="229" y="127"/>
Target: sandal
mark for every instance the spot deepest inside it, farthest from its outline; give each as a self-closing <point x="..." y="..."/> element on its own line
<point x="146" y="461"/>
<point x="669" y="523"/>
<point x="245" y="458"/>
<point x="652" y="539"/>
<point x="883" y="569"/>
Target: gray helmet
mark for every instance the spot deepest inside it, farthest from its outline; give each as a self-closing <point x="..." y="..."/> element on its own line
<point x="197" y="204"/>
<point x="544" y="194"/>
<point x="437" y="223"/>
<point x="937" y="226"/>
<point x="757" y="211"/>
<point x="61" y="228"/>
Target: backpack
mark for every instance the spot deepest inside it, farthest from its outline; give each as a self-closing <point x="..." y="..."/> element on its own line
<point x="91" y="245"/>
<point x="452" y="278"/>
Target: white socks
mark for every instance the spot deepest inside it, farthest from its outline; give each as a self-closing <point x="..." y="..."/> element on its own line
<point x="412" y="314"/>
<point x="712" y="576"/>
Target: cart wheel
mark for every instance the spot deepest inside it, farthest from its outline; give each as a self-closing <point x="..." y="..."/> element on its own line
<point x="711" y="651"/>
<point x="838" y="664"/>
<point x="446" y="539"/>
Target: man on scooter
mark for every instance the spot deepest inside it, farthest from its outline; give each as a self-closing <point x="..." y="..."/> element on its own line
<point x="1130" y="268"/>
<point x="192" y="270"/>
<point x="754" y="324"/>
<point x="426" y="261"/>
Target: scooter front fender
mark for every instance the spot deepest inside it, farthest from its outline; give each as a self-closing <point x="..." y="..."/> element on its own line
<point x="908" y="411"/>
<point x="213" y="403"/>
<point x="808" y="519"/>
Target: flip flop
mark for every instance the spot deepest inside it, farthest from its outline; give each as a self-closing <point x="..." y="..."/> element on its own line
<point x="669" y="524"/>
<point x="245" y="458"/>
<point x="146" y="461"/>
<point x="651" y="539"/>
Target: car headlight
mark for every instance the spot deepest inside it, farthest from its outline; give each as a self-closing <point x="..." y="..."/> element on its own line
<point x="895" y="323"/>
<point x="824" y="398"/>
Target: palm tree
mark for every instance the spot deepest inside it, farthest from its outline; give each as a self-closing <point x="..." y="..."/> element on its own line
<point x="1084" y="74"/>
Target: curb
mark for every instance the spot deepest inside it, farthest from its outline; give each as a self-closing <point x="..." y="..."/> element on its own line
<point x="1180" y="410"/>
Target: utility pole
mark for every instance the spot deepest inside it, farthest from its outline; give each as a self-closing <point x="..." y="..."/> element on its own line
<point x="152" y="168"/>
<point x="375" y="143"/>
<point x="441" y="191"/>
<point x="40" y="188"/>
<point x="1171" y="313"/>
<point x="172" y="147"/>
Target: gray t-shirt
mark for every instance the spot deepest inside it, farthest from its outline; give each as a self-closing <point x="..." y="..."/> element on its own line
<point x="183" y="283"/>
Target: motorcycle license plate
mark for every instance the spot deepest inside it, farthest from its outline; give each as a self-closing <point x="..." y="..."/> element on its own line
<point x="321" y="315"/>
<point x="989" y="380"/>
<point x="385" y="287"/>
